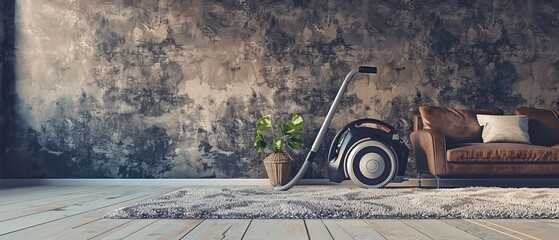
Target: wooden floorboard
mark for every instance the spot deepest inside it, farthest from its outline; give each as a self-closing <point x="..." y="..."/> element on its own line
<point x="51" y="226"/>
<point x="166" y="229"/>
<point x="90" y="229"/>
<point x="28" y="203"/>
<point x="526" y="228"/>
<point x="33" y="207"/>
<point x="211" y="229"/>
<point x="317" y="230"/>
<point x="351" y="229"/>
<point x="30" y="190"/>
<point x="9" y="197"/>
<point x="479" y="229"/>
<point x="27" y="221"/>
<point x="437" y="229"/>
<point x="74" y="212"/>
<point x="124" y="230"/>
<point x="395" y="229"/>
<point x="293" y="229"/>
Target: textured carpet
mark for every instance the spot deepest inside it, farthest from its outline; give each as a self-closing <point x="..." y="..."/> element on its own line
<point x="335" y="202"/>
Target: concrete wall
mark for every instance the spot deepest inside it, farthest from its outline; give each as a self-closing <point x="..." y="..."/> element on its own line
<point x="2" y="106"/>
<point x="171" y="89"/>
<point x="7" y="78"/>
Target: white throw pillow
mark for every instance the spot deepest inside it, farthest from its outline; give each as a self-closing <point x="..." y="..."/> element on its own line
<point x="498" y="128"/>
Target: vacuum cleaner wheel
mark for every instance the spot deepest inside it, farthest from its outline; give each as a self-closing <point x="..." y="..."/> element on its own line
<point x="371" y="164"/>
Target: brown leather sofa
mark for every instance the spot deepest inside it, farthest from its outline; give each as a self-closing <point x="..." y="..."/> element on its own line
<point x="448" y="143"/>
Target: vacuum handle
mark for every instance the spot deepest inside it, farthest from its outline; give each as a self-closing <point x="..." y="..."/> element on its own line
<point x="337" y="100"/>
<point x="367" y="69"/>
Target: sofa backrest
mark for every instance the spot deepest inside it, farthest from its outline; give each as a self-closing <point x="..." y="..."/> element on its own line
<point x="457" y="125"/>
<point x="543" y="125"/>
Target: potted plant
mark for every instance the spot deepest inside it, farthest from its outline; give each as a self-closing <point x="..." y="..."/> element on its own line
<point x="278" y="163"/>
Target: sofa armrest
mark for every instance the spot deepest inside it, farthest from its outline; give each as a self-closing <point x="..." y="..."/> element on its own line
<point x="429" y="147"/>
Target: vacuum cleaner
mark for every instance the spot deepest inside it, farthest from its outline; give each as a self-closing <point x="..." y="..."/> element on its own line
<point x="367" y="151"/>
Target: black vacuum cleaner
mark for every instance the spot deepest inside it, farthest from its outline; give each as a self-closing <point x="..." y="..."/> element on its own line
<point x="367" y="151"/>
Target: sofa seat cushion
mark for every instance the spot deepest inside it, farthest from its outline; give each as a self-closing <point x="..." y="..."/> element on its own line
<point x="502" y="153"/>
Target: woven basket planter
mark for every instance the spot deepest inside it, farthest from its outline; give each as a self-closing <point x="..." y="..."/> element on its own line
<point x="278" y="168"/>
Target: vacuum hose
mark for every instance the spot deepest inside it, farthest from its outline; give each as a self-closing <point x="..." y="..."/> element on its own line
<point x="324" y="127"/>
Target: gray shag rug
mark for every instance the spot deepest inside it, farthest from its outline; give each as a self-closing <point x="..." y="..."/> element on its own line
<point x="335" y="202"/>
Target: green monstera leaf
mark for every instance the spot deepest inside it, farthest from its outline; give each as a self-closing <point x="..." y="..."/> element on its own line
<point x="264" y="123"/>
<point x="296" y="123"/>
<point x="285" y="134"/>
<point x="276" y="144"/>
<point x="295" y="142"/>
<point x="285" y="129"/>
<point x="259" y="143"/>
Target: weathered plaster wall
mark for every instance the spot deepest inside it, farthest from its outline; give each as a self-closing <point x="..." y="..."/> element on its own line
<point x="160" y="89"/>
<point x="2" y="106"/>
<point x="7" y="77"/>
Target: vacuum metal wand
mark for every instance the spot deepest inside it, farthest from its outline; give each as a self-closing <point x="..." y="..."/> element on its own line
<point x="324" y="127"/>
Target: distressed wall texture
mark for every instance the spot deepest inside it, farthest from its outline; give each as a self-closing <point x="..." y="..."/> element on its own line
<point x="2" y="105"/>
<point x="171" y="89"/>
<point x="7" y="78"/>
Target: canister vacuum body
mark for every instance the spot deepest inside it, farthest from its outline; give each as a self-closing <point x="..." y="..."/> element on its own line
<point x="369" y="152"/>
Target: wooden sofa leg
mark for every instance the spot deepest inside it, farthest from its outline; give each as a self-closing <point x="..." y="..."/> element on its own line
<point x="438" y="182"/>
<point x="419" y="179"/>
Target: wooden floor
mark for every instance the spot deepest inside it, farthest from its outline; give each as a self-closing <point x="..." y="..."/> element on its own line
<point x="76" y="212"/>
